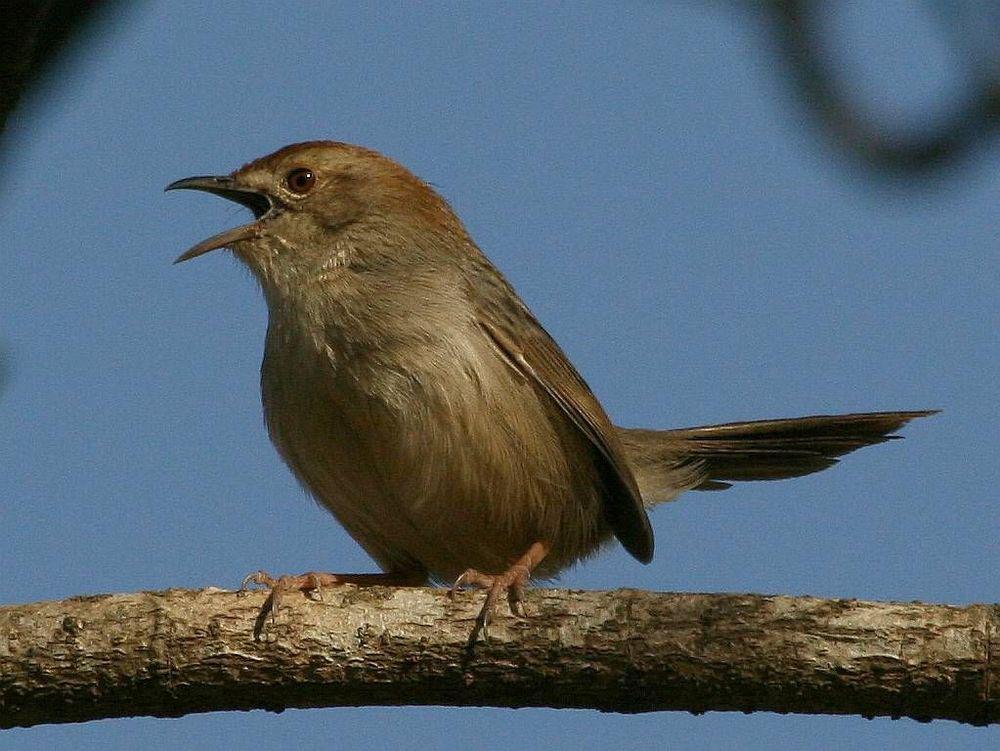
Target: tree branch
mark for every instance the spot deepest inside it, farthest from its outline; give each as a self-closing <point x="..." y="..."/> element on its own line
<point x="181" y="651"/>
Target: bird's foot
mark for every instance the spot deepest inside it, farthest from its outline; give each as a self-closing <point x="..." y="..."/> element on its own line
<point x="312" y="584"/>
<point x="511" y="582"/>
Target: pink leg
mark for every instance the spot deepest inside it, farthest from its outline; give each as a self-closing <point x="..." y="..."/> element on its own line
<point x="312" y="583"/>
<point x="512" y="582"/>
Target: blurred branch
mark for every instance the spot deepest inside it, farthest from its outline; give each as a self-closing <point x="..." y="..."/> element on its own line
<point x="33" y="33"/>
<point x="796" y="27"/>
<point x="182" y="651"/>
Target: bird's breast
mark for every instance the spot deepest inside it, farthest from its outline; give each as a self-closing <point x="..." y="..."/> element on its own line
<point x="431" y="452"/>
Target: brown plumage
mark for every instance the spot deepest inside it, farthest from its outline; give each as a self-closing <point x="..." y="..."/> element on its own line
<point x="759" y="450"/>
<point x="416" y="397"/>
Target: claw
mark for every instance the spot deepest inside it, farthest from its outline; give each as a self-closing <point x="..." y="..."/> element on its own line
<point x="513" y="582"/>
<point x="311" y="585"/>
<point x="471" y="577"/>
<point x="261" y="578"/>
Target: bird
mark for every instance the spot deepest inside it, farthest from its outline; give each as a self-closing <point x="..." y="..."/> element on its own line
<point x="415" y="396"/>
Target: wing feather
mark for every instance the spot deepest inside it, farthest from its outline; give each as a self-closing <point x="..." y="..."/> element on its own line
<point x="538" y="358"/>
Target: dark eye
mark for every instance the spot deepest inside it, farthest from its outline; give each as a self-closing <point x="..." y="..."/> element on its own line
<point x="301" y="180"/>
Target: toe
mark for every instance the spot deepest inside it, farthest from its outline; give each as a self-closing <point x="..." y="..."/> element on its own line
<point x="261" y="578"/>
<point x="471" y="578"/>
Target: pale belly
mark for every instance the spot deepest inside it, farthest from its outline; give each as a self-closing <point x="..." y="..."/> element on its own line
<point x="441" y="471"/>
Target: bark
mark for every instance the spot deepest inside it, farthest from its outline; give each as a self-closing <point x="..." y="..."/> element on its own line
<point x="181" y="651"/>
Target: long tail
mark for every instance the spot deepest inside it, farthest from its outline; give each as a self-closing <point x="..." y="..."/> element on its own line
<point x="667" y="462"/>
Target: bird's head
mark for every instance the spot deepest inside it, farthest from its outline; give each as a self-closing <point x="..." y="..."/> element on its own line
<point x="323" y="202"/>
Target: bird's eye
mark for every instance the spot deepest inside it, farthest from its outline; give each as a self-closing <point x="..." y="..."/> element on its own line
<point x="300" y="180"/>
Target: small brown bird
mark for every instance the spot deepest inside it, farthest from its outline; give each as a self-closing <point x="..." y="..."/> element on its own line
<point x="413" y="393"/>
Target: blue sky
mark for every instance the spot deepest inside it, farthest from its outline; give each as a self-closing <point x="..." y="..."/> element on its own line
<point x="641" y="175"/>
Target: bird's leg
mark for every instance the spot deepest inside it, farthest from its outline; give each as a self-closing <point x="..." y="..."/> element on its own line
<point x="512" y="581"/>
<point x="313" y="582"/>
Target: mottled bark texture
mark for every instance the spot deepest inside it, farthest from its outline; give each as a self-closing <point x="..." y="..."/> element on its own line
<point x="181" y="651"/>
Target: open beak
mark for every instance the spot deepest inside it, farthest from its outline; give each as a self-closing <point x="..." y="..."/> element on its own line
<point x="227" y="187"/>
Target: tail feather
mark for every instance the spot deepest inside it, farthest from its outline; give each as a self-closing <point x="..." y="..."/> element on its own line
<point x="758" y="450"/>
